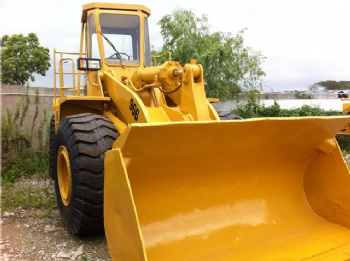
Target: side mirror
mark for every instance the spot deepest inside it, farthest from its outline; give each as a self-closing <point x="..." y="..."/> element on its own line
<point x="89" y="64"/>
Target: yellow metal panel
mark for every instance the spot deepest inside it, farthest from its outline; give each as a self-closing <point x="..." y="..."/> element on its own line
<point x="327" y="184"/>
<point x="129" y="104"/>
<point x="213" y="100"/>
<point x="118" y="124"/>
<point x="83" y="98"/>
<point x="174" y="114"/>
<point x="212" y="112"/>
<point x="127" y="243"/>
<point x="346" y="106"/>
<point x="231" y="190"/>
<point x="337" y="254"/>
<point x="157" y="114"/>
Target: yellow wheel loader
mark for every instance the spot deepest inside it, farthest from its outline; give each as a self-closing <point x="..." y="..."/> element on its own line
<point x="138" y="151"/>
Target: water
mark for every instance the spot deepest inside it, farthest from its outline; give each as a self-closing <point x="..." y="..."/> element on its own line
<point x="326" y="104"/>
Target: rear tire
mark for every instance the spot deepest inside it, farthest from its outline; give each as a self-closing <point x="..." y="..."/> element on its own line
<point x="81" y="143"/>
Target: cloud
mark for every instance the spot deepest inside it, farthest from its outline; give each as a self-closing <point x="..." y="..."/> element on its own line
<point x="304" y="41"/>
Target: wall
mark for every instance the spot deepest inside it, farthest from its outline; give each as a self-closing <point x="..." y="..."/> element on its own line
<point x="14" y="98"/>
<point x="283" y="96"/>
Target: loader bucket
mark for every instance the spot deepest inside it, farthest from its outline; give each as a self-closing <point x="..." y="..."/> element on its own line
<point x="265" y="189"/>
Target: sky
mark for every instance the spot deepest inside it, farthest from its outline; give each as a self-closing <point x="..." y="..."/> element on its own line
<point x="304" y="41"/>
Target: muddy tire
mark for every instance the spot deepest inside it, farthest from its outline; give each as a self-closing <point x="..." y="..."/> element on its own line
<point x="52" y="170"/>
<point x="81" y="143"/>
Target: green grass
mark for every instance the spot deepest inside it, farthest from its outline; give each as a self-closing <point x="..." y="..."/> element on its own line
<point x="26" y="185"/>
<point x="25" y="165"/>
<point x="34" y="194"/>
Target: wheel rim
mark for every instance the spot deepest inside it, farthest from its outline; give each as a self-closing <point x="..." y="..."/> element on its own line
<point x="64" y="175"/>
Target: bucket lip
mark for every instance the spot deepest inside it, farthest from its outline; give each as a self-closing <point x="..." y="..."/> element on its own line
<point x="345" y="118"/>
<point x="150" y="140"/>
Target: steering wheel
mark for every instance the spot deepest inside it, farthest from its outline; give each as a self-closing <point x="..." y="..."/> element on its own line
<point x="116" y="56"/>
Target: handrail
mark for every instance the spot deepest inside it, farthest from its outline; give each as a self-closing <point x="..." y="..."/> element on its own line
<point x="60" y="58"/>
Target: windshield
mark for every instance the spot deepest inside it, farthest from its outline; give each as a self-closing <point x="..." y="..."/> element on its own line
<point x="121" y="38"/>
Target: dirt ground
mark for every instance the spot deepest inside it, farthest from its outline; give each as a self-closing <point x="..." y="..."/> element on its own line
<point x="28" y="234"/>
<point x="47" y="239"/>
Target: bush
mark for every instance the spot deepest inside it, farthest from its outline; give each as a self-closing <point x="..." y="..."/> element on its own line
<point x="25" y="165"/>
<point x="24" y="153"/>
<point x="253" y="109"/>
<point x="301" y="95"/>
<point x="344" y="143"/>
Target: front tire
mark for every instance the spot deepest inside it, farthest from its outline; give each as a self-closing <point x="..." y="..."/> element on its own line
<point x="81" y="142"/>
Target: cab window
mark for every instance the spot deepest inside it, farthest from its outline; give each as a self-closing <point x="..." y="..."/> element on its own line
<point x="121" y="34"/>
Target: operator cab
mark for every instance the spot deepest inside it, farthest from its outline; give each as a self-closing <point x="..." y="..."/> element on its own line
<point x="118" y="37"/>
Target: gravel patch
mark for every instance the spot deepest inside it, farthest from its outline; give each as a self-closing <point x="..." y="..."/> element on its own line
<point x="47" y="239"/>
<point x="27" y="234"/>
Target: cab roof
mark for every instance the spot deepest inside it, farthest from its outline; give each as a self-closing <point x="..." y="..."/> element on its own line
<point x="113" y="6"/>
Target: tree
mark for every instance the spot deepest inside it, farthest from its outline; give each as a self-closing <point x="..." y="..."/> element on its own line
<point x="229" y="66"/>
<point x="334" y="85"/>
<point x="22" y="57"/>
